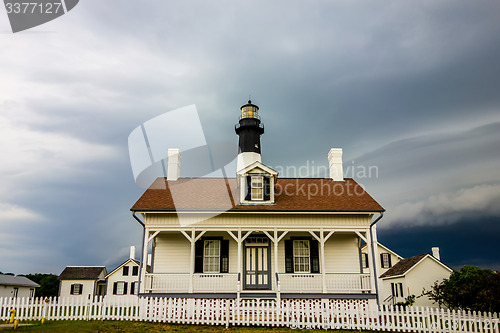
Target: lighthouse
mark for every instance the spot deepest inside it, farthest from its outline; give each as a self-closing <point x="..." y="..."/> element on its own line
<point x="249" y="130"/>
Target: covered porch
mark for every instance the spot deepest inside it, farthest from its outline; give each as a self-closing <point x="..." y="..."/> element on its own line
<point x="277" y="262"/>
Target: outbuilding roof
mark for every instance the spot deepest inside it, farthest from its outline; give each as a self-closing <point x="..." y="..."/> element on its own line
<point x="222" y="194"/>
<point x="403" y="266"/>
<point x="82" y="272"/>
<point x="21" y="281"/>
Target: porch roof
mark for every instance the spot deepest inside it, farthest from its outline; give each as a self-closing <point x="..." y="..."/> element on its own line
<point x="291" y="194"/>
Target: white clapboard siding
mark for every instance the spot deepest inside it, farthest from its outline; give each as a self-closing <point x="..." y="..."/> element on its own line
<point x="260" y="220"/>
<point x="296" y="313"/>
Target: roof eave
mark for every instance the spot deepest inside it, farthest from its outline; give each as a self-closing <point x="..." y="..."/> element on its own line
<point x="369" y="211"/>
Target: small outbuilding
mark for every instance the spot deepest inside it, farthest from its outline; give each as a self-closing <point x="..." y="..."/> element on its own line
<point x="82" y="281"/>
<point x="17" y="286"/>
<point x="414" y="276"/>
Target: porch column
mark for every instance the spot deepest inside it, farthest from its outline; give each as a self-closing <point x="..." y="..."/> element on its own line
<point x="322" y="253"/>
<point x="321" y="240"/>
<point x="144" y="261"/>
<point x="191" y="267"/>
<point x="376" y="264"/>
<point x="192" y="239"/>
<point x="239" y="255"/>
<point x="371" y="262"/>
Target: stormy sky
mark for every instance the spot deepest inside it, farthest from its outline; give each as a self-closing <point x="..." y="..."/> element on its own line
<point x="408" y="88"/>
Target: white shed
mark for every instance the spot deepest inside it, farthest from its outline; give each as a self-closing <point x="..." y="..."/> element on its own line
<point x="17" y="286"/>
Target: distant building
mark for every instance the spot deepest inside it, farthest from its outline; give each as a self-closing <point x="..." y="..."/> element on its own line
<point x="82" y="281"/>
<point x="412" y="276"/>
<point x="17" y="286"/>
<point x="124" y="280"/>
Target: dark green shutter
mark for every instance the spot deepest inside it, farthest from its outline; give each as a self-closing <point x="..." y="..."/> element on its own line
<point x="267" y="188"/>
<point x="198" y="256"/>
<point x="81" y="289"/>
<point x="72" y="289"/>
<point x="314" y="256"/>
<point x="288" y="256"/>
<point x="132" y="285"/>
<point x="248" y="193"/>
<point x="125" y="288"/>
<point x="115" y="286"/>
<point x="389" y="259"/>
<point x="224" y="256"/>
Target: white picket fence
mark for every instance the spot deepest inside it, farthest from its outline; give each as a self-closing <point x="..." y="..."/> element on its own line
<point x="320" y="314"/>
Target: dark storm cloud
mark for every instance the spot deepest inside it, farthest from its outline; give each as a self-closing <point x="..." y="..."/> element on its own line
<point x="407" y="87"/>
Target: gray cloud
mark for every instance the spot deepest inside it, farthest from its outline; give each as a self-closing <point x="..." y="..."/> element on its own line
<point x="397" y="85"/>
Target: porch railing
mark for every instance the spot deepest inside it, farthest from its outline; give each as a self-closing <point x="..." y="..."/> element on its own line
<point x="335" y="282"/>
<point x="288" y="283"/>
<point x="180" y="283"/>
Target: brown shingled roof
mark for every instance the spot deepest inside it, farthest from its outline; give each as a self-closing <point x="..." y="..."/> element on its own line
<point x="82" y="272"/>
<point x="291" y="194"/>
<point x="403" y="266"/>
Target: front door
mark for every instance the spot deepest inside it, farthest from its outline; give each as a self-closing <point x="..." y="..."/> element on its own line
<point x="257" y="262"/>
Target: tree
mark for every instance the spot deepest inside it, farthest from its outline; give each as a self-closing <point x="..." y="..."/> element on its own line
<point x="471" y="288"/>
<point x="49" y="284"/>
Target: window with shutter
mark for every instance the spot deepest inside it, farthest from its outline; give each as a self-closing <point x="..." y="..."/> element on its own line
<point x="76" y="289"/>
<point x="135" y="270"/>
<point x="301" y="256"/>
<point x="257" y="187"/>
<point x="385" y="260"/>
<point x="125" y="270"/>
<point x="364" y="260"/>
<point x="211" y="256"/>
<point x="120" y="288"/>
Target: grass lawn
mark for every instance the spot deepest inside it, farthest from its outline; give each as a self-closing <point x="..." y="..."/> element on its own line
<point x="132" y="326"/>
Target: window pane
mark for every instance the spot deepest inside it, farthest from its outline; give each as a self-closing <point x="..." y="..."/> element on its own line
<point x="301" y="256"/>
<point x="120" y="287"/>
<point x="257" y="188"/>
<point x="211" y="256"/>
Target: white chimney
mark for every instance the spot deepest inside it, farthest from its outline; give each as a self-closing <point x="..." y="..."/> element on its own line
<point x="435" y="253"/>
<point x="335" y="164"/>
<point x="132" y="252"/>
<point x="148" y="262"/>
<point x="174" y="164"/>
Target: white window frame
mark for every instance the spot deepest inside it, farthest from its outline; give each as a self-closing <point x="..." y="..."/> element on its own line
<point x="257" y="188"/>
<point x="120" y="288"/>
<point x="386" y="260"/>
<point x="211" y="255"/>
<point x="136" y="288"/>
<point x="80" y="289"/>
<point x="301" y="256"/>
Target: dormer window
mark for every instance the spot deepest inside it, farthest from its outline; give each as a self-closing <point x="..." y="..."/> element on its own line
<point x="257" y="187"/>
<point x="256" y="184"/>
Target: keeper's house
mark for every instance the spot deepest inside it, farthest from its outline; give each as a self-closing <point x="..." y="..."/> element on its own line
<point x="258" y="235"/>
